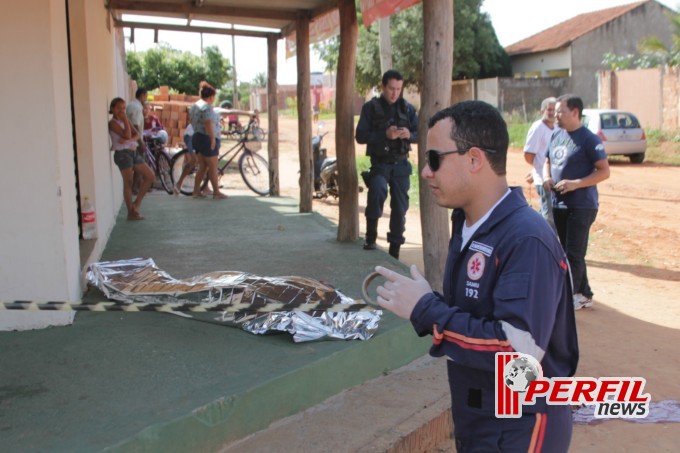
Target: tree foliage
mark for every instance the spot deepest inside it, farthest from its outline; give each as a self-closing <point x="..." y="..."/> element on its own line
<point x="227" y="93"/>
<point x="476" y="50"/>
<point x="652" y="52"/>
<point x="181" y="71"/>
<point x="329" y="52"/>
<point x="260" y="80"/>
<point x="652" y="48"/>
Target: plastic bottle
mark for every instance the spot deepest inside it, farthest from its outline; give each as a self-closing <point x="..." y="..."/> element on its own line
<point x="89" y="220"/>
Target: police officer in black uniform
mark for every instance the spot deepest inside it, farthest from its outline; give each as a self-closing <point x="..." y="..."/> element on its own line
<point x="387" y="126"/>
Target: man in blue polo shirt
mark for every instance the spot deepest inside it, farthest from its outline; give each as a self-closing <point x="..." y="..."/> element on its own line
<point x="576" y="162"/>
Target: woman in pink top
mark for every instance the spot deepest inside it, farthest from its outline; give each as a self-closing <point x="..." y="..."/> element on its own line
<point x="124" y="145"/>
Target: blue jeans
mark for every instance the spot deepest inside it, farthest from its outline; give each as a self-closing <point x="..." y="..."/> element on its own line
<point x="573" y="229"/>
<point x="546" y="204"/>
<point x="397" y="177"/>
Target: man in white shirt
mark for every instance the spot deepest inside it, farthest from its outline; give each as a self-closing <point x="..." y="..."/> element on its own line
<point x="135" y="110"/>
<point x="135" y="113"/>
<point x="537" y="142"/>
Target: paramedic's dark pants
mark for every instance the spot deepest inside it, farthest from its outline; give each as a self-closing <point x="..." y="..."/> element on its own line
<point x="476" y="429"/>
<point x="397" y="177"/>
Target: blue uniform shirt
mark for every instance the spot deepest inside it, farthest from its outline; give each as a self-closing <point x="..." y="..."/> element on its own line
<point x="506" y="290"/>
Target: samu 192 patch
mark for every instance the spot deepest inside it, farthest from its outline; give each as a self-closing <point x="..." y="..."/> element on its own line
<point x="475" y="266"/>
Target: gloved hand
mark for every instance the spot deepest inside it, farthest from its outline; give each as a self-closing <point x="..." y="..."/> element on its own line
<point x="400" y="294"/>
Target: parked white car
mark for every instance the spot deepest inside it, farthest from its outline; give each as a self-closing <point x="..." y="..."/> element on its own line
<point x="620" y="132"/>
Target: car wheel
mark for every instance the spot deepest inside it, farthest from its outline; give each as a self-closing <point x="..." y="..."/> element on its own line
<point x="637" y="158"/>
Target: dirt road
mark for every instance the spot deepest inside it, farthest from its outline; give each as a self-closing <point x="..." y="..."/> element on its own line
<point x="633" y="257"/>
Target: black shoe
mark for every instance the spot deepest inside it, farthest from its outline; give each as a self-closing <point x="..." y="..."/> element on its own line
<point x="369" y="245"/>
<point x="371" y="234"/>
<point x="394" y="250"/>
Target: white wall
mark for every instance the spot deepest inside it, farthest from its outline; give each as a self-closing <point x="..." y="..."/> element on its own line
<point x="544" y="61"/>
<point x="95" y="84"/>
<point x="39" y="246"/>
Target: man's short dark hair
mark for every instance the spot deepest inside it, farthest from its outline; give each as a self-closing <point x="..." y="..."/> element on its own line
<point x="479" y="124"/>
<point x="389" y="75"/>
<point x="573" y="102"/>
<point x="139" y="92"/>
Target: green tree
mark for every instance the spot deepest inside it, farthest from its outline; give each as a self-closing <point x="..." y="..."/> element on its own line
<point x="181" y="71"/>
<point x="217" y="66"/>
<point x="653" y="48"/>
<point x="329" y="52"/>
<point x="135" y="65"/>
<point x="188" y="71"/>
<point x="260" y="80"/>
<point x="477" y="52"/>
<point x="617" y="62"/>
<point x="653" y="52"/>
<point x="227" y="94"/>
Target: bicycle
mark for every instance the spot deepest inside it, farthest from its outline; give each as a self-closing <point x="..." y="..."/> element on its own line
<point x="253" y="167"/>
<point x="233" y="130"/>
<point x="159" y="160"/>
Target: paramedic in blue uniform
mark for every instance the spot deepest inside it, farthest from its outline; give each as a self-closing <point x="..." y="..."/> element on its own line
<point x="387" y="126"/>
<point x="505" y="286"/>
<point x="575" y="164"/>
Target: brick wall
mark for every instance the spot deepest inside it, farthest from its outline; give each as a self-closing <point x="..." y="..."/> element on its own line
<point x="525" y="95"/>
<point x="510" y="94"/>
<point x="173" y="111"/>
<point x="671" y="99"/>
<point x="656" y="104"/>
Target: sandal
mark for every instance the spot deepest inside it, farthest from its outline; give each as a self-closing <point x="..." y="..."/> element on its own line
<point x="220" y="196"/>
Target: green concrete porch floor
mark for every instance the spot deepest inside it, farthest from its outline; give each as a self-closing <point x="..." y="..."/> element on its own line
<point x="157" y="382"/>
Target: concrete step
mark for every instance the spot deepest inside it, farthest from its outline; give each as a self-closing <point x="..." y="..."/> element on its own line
<point x="407" y="410"/>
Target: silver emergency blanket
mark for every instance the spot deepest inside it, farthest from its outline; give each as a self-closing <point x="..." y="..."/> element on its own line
<point x="667" y="411"/>
<point x="139" y="280"/>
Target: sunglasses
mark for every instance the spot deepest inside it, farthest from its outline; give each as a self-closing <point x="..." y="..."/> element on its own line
<point x="434" y="157"/>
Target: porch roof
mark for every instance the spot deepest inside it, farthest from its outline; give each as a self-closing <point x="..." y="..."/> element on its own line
<point x="278" y="17"/>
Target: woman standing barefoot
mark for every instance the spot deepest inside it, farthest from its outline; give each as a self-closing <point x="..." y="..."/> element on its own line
<point x="206" y="125"/>
<point x="129" y="160"/>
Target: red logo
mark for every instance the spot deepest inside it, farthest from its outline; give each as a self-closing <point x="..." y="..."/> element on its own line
<point x="475" y="266"/>
<point x="519" y="381"/>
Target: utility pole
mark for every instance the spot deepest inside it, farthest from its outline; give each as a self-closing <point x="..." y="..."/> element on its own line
<point x="385" y="44"/>
<point x="233" y="63"/>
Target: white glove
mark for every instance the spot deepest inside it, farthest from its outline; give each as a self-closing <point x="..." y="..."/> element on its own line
<point x="400" y="294"/>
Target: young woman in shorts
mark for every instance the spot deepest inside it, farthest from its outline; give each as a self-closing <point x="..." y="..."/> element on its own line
<point x="206" y="141"/>
<point x="129" y="160"/>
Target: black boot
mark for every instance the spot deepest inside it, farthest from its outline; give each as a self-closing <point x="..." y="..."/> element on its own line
<point x="394" y="249"/>
<point x="371" y="234"/>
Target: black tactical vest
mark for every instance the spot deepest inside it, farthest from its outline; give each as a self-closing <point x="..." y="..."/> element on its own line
<point x="381" y="120"/>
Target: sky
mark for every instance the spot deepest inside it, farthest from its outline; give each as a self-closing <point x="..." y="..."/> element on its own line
<point x="513" y="21"/>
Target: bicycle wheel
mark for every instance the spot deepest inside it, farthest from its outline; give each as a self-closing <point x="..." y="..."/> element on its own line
<point x="179" y="161"/>
<point x="164" y="172"/>
<point x="254" y="171"/>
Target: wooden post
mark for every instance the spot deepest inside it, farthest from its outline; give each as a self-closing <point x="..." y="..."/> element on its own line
<point x="436" y="95"/>
<point x="304" y="113"/>
<point x="273" y="117"/>
<point x="348" y="227"/>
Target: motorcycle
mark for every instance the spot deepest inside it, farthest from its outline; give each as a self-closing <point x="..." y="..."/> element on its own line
<point x="325" y="168"/>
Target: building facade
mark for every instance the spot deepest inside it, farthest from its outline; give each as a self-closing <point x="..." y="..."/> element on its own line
<point x="575" y="48"/>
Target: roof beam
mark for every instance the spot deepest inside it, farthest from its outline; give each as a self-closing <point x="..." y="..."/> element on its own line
<point x="210" y="30"/>
<point x="320" y="11"/>
<point x="186" y="9"/>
